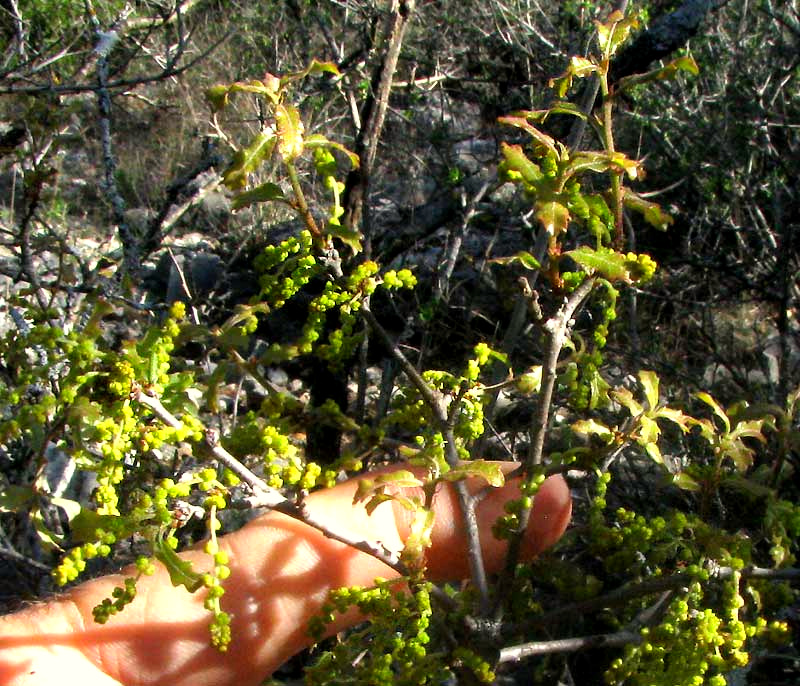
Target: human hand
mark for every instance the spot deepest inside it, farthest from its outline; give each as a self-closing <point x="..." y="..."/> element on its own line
<point x="281" y="573"/>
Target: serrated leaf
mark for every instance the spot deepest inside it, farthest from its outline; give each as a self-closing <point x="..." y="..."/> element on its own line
<point x="714" y="405"/>
<point x="579" y="67"/>
<point x="686" y="482"/>
<point x="553" y="216"/>
<point x="290" y="132"/>
<point x="668" y="71"/>
<point x="247" y="160"/>
<point x="591" y="427"/>
<point x="612" y="265"/>
<point x="490" y="472"/>
<point x="649" y="380"/>
<point x="266" y="192"/>
<point x="614" y="32"/>
<point x="516" y="160"/>
<point x="652" y="212"/>
<point x="654" y="452"/>
<point x="319" y="141"/>
<point x="525" y="258"/>
<point x="180" y="571"/>
<point x="625" y="398"/>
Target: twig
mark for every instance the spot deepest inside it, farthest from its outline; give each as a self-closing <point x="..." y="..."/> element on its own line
<point x="568" y="645"/>
<point x="556" y="327"/>
<point x="264" y="496"/>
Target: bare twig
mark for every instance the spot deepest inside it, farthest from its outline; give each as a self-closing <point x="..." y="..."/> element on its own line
<point x="556" y="328"/>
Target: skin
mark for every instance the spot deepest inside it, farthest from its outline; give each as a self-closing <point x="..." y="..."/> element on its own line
<point x="281" y="572"/>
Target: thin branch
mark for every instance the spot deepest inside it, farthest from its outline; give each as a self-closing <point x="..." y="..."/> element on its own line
<point x="568" y="645"/>
<point x="556" y="327"/>
<point x="265" y="496"/>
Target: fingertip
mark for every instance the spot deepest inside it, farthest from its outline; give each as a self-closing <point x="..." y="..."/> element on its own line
<point x="552" y="510"/>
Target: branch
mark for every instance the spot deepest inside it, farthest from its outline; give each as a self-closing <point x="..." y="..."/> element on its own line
<point x="265" y="496"/>
<point x="556" y="327"/>
<point x="568" y="645"/>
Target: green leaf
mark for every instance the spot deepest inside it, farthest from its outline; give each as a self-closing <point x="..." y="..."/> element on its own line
<point x="525" y="258"/>
<point x="16" y="498"/>
<point x="314" y="68"/>
<point x="652" y="212"/>
<point x="517" y="161"/>
<point x="419" y="538"/>
<point x="217" y="97"/>
<point x="649" y="380"/>
<point x="540" y="137"/>
<point x="625" y="398"/>
<point x="553" y="216"/>
<point x="180" y="571"/>
<point x="654" y="452"/>
<point x="579" y="67"/>
<point x="83" y="522"/>
<point x="686" y="482"/>
<point x="675" y="416"/>
<point x="668" y="71"/>
<point x="714" y="405"/>
<point x="608" y="263"/>
<point x="614" y="32"/>
<point x="350" y="237"/>
<point x="319" y="141"/>
<point x="591" y="427"/>
<point x="290" y="132"/>
<point x="490" y="472"/>
<point x="266" y="192"/>
<point x="401" y="478"/>
<point x="247" y="160"/>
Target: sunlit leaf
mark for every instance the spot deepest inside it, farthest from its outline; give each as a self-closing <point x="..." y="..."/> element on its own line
<point x="266" y="192"/>
<point x="654" y="452"/>
<point x="180" y="571"/>
<point x="649" y="380"/>
<point x="608" y="263"/>
<point x="540" y="137"/>
<point x="516" y="160"/>
<point x="490" y="472"/>
<point x="247" y="160"/>
<point x="591" y="427"/>
<point x="419" y="538"/>
<point x="290" y="132"/>
<point x="525" y="258"/>
<point x="652" y="212"/>
<point x="612" y="33"/>
<point x="319" y="141"/>
<point x="714" y="405"/>
<point x="350" y="237"/>
<point x="625" y="398"/>
<point x="553" y="216"/>
<point x="668" y="71"/>
<point x="686" y="482"/>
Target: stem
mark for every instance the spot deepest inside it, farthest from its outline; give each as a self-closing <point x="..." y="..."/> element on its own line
<point x="300" y="201"/>
<point x="264" y="496"/>
<point x="557" y="327"/>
